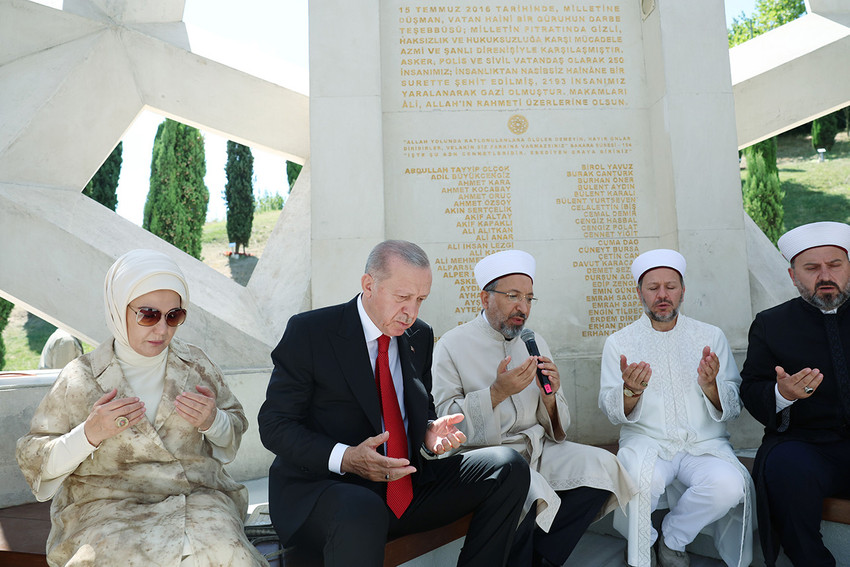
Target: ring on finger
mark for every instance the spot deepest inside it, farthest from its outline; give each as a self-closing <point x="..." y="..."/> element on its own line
<point x="121" y="422"/>
<point x="386" y="476"/>
<point x="644" y="384"/>
<point x="808" y="389"/>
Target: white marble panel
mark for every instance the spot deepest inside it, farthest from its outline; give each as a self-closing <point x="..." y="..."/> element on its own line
<point x="347" y="185"/>
<point x="345" y="48"/>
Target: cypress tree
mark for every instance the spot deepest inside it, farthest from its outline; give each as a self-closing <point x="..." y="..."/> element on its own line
<point x="762" y="193"/>
<point x="292" y="171"/>
<point x="239" y="193"/>
<point x="103" y="186"/>
<point x="176" y="207"/>
<point x="5" y="311"/>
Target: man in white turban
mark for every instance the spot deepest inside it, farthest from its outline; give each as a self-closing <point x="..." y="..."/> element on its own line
<point x="484" y="370"/>
<point x="671" y="383"/>
<point x="796" y="382"/>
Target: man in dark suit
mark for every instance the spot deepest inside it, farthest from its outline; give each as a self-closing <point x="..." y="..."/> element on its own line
<point x="345" y="478"/>
<point x="797" y="383"/>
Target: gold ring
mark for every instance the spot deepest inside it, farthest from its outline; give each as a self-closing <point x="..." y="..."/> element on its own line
<point x="644" y="384"/>
<point x="121" y="422"/>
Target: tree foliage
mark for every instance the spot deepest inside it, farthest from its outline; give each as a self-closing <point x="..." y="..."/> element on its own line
<point x="824" y="130"/>
<point x="176" y="207"/>
<point x="103" y="186"/>
<point x="239" y="193"/>
<point x="292" y="171"/>
<point x="5" y="310"/>
<point x="268" y="202"/>
<point x="762" y="192"/>
<point x="768" y="14"/>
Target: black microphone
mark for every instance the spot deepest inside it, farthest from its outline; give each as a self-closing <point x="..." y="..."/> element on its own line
<point x="527" y="336"/>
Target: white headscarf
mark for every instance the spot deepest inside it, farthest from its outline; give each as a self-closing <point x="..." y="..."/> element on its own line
<point x="132" y="275"/>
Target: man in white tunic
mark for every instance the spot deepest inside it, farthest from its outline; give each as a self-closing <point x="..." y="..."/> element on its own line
<point x="484" y="370"/>
<point x="671" y="382"/>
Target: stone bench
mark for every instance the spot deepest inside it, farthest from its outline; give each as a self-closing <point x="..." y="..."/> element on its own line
<point x="23" y="535"/>
<point x="24" y="530"/>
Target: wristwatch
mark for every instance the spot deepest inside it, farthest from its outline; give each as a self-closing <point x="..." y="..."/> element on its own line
<point x="631" y="394"/>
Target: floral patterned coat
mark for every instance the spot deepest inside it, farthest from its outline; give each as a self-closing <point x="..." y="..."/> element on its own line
<point x="136" y="498"/>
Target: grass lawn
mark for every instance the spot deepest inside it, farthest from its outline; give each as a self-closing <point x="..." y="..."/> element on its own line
<point x="24" y="338"/>
<point x="26" y="334"/>
<point x="814" y="190"/>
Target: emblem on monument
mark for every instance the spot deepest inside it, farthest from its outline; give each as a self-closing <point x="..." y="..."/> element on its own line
<point x="518" y="124"/>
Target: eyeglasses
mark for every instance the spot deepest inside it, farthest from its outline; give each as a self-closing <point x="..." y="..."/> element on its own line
<point x="148" y="316"/>
<point x="515" y="297"/>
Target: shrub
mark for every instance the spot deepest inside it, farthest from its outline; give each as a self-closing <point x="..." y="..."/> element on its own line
<point x="824" y="130"/>
<point x="763" y="195"/>
<point x="5" y="310"/>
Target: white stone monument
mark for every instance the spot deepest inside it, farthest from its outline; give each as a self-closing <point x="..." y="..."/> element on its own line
<point x="580" y="131"/>
<point x="583" y="132"/>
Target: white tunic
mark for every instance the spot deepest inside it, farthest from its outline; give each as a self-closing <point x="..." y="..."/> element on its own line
<point x="465" y="362"/>
<point x="671" y="416"/>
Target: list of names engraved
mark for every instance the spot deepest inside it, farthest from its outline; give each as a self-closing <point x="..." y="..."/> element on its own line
<point x="477" y="199"/>
<point x="484" y="56"/>
<point x="603" y="207"/>
<point x="598" y="203"/>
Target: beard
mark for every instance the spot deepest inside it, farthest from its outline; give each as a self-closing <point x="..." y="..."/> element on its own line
<point x="512" y="331"/>
<point x="826" y="302"/>
<point x="660" y="318"/>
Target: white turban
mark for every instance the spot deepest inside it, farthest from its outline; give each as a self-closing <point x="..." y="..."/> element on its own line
<point x="132" y="275"/>
<point x="812" y="235"/>
<point x="659" y="258"/>
<point x="504" y="263"/>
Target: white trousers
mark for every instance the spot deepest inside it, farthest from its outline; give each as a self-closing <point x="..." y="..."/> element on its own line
<point x="713" y="488"/>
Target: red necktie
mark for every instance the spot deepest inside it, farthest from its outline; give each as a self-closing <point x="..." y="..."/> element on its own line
<point x="399" y="492"/>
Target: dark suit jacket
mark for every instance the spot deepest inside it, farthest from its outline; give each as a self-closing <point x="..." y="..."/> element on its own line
<point x="322" y="392"/>
<point x="791" y="335"/>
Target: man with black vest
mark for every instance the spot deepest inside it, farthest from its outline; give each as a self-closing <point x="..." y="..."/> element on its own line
<point x="796" y="382"/>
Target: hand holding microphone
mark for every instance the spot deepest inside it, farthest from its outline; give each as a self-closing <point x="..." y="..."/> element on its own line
<point x="527" y="337"/>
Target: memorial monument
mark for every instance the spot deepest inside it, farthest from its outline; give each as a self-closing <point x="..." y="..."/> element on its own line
<point x="581" y="131"/>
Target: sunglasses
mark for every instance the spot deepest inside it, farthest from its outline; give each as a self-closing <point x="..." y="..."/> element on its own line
<point x="148" y="316"/>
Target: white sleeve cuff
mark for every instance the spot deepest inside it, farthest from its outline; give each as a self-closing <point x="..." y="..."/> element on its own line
<point x="335" y="460"/>
<point x="67" y="453"/>
<point x="781" y="402"/>
<point x="221" y="431"/>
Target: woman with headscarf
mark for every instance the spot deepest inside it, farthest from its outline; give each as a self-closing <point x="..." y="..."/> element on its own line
<point x="131" y="439"/>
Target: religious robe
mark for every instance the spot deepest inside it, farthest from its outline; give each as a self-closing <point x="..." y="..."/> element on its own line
<point x="131" y="502"/>
<point x="465" y="362"/>
<point x="674" y="415"/>
<point x="792" y="335"/>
